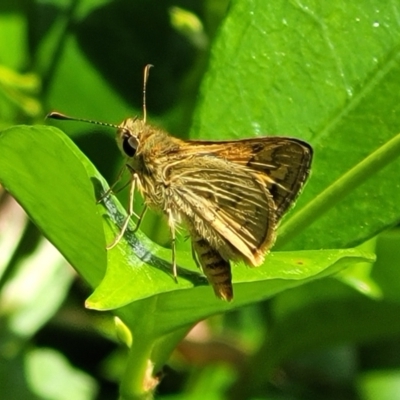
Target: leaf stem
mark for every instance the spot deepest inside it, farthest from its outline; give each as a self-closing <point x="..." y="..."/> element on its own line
<point x="138" y="382"/>
<point x="338" y="190"/>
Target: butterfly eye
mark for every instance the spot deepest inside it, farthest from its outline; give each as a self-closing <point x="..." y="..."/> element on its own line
<point x="129" y="145"/>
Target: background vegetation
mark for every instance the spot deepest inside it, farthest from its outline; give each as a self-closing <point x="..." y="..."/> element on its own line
<point x="328" y="74"/>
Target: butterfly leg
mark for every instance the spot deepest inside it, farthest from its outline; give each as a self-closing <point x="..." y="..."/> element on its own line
<point x="111" y="188"/>
<point x="140" y="217"/>
<point x="216" y="269"/>
<point x="195" y="258"/>
<point x="130" y="213"/>
<point x="171" y="224"/>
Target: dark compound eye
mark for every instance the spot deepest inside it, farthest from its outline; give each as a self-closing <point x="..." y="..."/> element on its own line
<point x="129" y="145"/>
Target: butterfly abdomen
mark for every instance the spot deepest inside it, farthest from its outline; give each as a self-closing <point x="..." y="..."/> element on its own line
<point x="216" y="269"/>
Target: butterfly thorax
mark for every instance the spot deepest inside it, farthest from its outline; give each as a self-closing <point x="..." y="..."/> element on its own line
<point x="153" y="150"/>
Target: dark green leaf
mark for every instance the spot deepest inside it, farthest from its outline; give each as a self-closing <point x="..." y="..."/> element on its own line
<point x="323" y="73"/>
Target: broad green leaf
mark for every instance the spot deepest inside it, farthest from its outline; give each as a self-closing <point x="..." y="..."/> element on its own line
<point x="49" y="177"/>
<point x="183" y="306"/>
<point x="130" y="279"/>
<point x="322" y="72"/>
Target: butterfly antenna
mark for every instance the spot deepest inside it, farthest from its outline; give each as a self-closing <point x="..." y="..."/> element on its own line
<point x="57" y="115"/>
<point x="145" y="78"/>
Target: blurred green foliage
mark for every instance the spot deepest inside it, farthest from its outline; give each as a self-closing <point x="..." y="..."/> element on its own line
<point x="326" y="73"/>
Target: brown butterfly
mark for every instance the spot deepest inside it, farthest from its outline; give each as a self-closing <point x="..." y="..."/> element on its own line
<point x="230" y="195"/>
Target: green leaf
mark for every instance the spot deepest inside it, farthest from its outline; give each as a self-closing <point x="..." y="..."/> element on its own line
<point x="324" y="73"/>
<point x="184" y="306"/>
<point x="52" y="377"/>
<point x="50" y="178"/>
<point x="383" y="385"/>
<point x="130" y="281"/>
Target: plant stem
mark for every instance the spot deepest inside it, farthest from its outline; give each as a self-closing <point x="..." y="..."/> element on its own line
<point x="138" y="382"/>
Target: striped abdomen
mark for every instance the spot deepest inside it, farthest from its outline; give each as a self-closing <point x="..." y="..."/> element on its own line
<point x="216" y="269"/>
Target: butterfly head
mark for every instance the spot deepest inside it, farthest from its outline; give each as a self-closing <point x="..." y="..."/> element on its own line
<point x="129" y="135"/>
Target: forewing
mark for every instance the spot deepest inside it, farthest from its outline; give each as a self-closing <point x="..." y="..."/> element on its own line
<point x="284" y="163"/>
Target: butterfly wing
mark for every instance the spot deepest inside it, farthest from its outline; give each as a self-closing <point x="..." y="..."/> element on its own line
<point x="225" y="203"/>
<point x="284" y="163"/>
